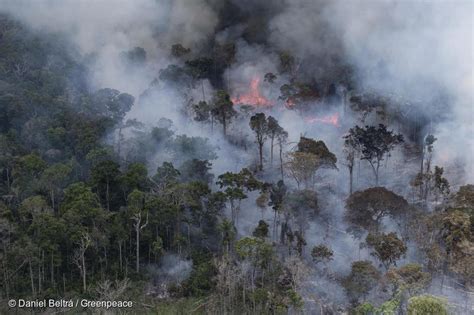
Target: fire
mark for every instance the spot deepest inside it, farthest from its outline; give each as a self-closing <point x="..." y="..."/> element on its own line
<point x="253" y="96"/>
<point x="328" y="119"/>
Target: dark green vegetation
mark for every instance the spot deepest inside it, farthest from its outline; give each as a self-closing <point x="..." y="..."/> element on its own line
<point x="81" y="218"/>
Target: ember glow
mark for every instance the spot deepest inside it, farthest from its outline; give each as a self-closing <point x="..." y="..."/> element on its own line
<point x="328" y="119"/>
<point x="253" y="96"/>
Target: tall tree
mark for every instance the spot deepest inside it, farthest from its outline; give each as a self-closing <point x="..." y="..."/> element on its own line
<point x="273" y="130"/>
<point x="282" y="137"/>
<point x="235" y="186"/>
<point x="365" y="209"/>
<point x="310" y="156"/>
<point x="223" y="109"/>
<point x="388" y="248"/>
<point x="374" y="144"/>
<point x="259" y="125"/>
<point x="350" y="151"/>
<point x="136" y="202"/>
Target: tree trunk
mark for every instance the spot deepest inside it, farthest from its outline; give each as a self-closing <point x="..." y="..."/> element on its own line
<point x="107" y="195"/>
<point x="260" y="152"/>
<point x="52" y="198"/>
<point x="137" y="267"/>
<point x="351" y="169"/>
<point x="33" y="292"/>
<point x="84" y="272"/>
<point x="271" y="149"/>
<point x="224" y="126"/>
<point x="281" y="161"/>
<point x="120" y="255"/>
<point x="8" y="179"/>
<point x="52" y="269"/>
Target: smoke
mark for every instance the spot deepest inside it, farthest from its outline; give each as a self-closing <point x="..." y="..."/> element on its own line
<point x="419" y="53"/>
<point x="104" y="29"/>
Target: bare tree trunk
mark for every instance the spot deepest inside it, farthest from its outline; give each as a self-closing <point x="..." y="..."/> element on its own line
<point x="271" y="149"/>
<point x="84" y="272"/>
<point x="138" y="228"/>
<point x="281" y="161"/>
<point x="120" y="255"/>
<point x="52" y="269"/>
<point x="224" y="126"/>
<point x="351" y="169"/>
<point x="107" y="195"/>
<point x="33" y="292"/>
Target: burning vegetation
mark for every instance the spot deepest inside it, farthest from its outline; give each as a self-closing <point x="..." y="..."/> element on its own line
<point x="167" y="166"/>
<point x="253" y="96"/>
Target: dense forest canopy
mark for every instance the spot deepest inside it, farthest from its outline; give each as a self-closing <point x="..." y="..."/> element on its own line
<point x="237" y="157"/>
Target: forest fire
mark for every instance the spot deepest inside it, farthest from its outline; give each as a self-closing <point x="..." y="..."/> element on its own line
<point x="328" y="119"/>
<point x="253" y="96"/>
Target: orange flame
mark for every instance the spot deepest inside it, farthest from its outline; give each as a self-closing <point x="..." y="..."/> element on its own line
<point x="253" y="96"/>
<point x="328" y="119"/>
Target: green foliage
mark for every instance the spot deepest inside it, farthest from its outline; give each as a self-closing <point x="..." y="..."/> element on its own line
<point x="365" y="209"/>
<point x="196" y="170"/>
<point x="388" y="248"/>
<point x="318" y="149"/>
<point x="185" y="148"/>
<point x="223" y="109"/>
<point x="426" y="304"/>
<point x="363" y="277"/>
<point x="261" y="231"/>
<point x="321" y="253"/>
<point x="409" y="277"/>
<point x="373" y="144"/>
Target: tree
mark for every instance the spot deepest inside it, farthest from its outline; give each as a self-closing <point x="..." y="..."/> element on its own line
<point x="135" y="177"/>
<point x="185" y="148"/>
<point x="80" y="258"/>
<point x="259" y="125"/>
<point x="223" y="109"/>
<point x="105" y="177"/>
<point x="318" y="149"/>
<point x="440" y="183"/>
<point x="277" y="198"/>
<point x="302" y="167"/>
<point x="202" y="111"/>
<point x="425" y="176"/>
<point x="235" y="185"/>
<point x="350" y="151"/>
<point x="270" y="77"/>
<point x="373" y="144"/>
<point x="363" y="278"/>
<point x="261" y="231"/>
<point x="178" y="51"/>
<point x="136" y="204"/>
<point x="409" y="277"/>
<point x="301" y="206"/>
<point x="54" y="178"/>
<point x="281" y="138"/>
<point x="321" y="253"/>
<point x="196" y="170"/>
<point x="310" y="156"/>
<point x="426" y="304"/>
<point x="273" y="130"/>
<point x="365" y="209"/>
<point x="388" y="248"/>
<point x="166" y="175"/>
